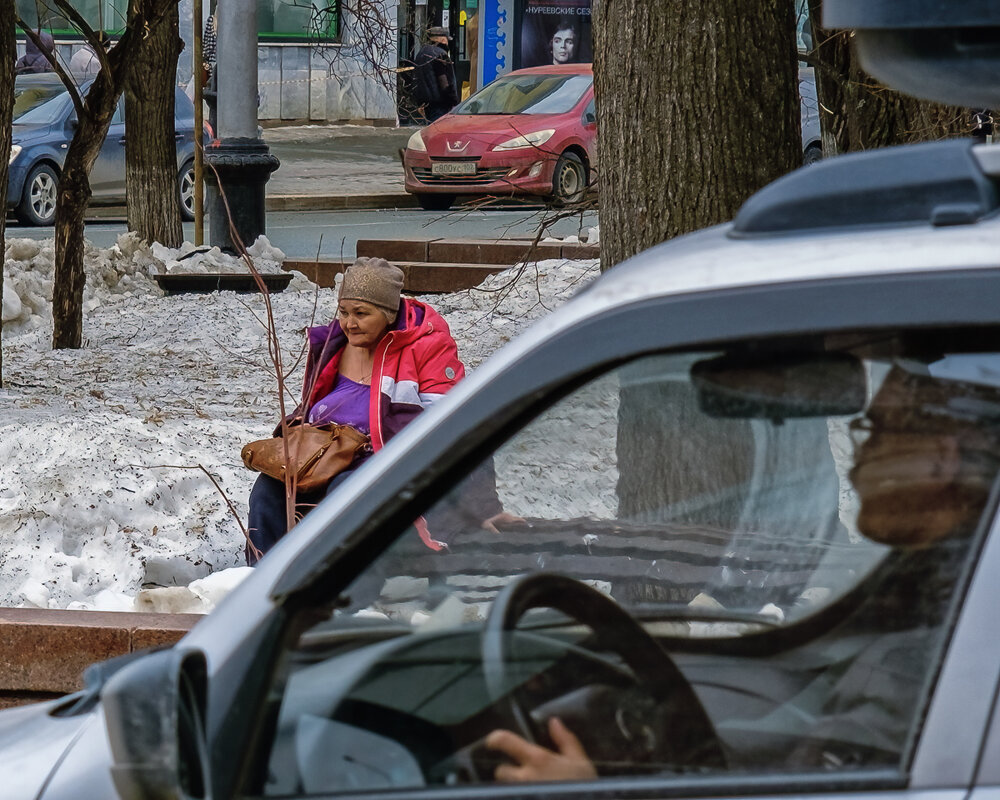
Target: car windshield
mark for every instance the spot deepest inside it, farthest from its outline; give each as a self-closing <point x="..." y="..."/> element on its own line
<point x="528" y="94"/>
<point x="38" y="104"/>
<point x="785" y="527"/>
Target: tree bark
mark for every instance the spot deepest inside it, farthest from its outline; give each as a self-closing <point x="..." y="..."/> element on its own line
<point x="94" y="113"/>
<point x="859" y="113"/>
<point x="150" y="150"/>
<point x="697" y="106"/>
<point x="8" y="55"/>
<point x="72" y="201"/>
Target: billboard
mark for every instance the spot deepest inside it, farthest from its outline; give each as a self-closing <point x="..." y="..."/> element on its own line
<point x="555" y="32"/>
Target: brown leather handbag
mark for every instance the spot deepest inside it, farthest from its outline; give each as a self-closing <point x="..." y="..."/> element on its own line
<point x="318" y="453"/>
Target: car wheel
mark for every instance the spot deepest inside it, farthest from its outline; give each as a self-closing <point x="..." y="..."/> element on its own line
<point x="812" y="155"/>
<point x="38" y="200"/>
<point x="569" y="181"/>
<point x="435" y="202"/>
<point x="185" y="190"/>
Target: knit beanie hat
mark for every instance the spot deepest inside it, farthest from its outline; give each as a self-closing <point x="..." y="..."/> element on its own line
<point x="373" y="280"/>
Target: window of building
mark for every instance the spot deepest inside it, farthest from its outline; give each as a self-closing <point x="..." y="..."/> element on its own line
<point x="107" y="15"/>
<point x="298" y="20"/>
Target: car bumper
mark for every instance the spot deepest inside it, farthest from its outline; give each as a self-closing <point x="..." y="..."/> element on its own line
<point x="16" y="176"/>
<point x="526" y="172"/>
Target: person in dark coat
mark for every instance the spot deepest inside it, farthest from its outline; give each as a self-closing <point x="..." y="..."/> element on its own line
<point x="434" y="86"/>
<point x="34" y="60"/>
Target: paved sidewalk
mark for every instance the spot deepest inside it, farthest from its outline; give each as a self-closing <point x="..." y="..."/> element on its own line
<point x="337" y="166"/>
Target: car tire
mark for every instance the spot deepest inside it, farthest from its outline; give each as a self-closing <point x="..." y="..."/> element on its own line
<point x="185" y="191"/>
<point x="569" y="180"/>
<point x="435" y="202"/>
<point x="38" y="199"/>
<point x="812" y="155"/>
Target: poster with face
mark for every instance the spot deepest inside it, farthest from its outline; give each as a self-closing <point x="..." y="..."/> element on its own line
<point x="555" y="32"/>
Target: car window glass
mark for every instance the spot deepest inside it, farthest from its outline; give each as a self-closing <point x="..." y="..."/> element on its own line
<point x="38" y="105"/>
<point x="528" y="94"/>
<point x="753" y="561"/>
<point x="119" y="116"/>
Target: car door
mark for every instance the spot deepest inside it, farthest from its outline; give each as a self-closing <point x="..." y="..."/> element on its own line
<point x="107" y="178"/>
<point x="827" y="643"/>
<point x="589" y="124"/>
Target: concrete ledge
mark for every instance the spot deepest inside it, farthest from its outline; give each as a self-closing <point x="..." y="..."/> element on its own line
<point x="43" y="653"/>
<point x="418" y="277"/>
<point x="472" y="251"/>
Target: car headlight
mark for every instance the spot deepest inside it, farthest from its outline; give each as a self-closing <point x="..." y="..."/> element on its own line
<point x="416" y="143"/>
<point x="15" y="151"/>
<point x="526" y="140"/>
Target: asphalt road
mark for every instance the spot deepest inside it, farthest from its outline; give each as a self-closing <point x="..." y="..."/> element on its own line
<point x="333" y="234"/>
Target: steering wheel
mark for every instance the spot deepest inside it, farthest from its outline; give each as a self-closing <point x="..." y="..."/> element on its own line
<point x="691" y="740"/>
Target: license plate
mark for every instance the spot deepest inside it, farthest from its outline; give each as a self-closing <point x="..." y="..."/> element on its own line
<point x="453" y="168"/>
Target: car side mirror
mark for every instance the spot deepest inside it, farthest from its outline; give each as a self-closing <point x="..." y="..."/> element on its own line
<point x="154" y="709"/>
<point x="946" y="52"/>
<point x="785" y="386"/>
<point x="589" y="118"/>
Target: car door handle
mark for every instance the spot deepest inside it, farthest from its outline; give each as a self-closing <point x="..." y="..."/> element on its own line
<point x="121" y="141"/>
<point x="179" y="137"/>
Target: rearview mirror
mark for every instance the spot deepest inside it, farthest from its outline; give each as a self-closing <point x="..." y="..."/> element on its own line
<point x="780" y="387"/>
<point x="154" y="709"/>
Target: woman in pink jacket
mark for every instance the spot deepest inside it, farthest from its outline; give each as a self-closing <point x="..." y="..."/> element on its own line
<point x="379" y="364"/>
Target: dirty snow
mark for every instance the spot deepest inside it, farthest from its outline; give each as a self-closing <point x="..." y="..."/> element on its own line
<point x="114" y="458"/>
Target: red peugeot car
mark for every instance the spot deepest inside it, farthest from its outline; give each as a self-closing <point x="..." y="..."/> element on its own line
<point x="530" y="132"/>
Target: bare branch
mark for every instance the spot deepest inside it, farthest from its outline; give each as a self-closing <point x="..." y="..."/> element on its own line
<point x="68" y="82"/>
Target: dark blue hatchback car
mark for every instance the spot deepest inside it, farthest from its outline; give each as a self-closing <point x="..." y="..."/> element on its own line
<point x="44" y="121"/>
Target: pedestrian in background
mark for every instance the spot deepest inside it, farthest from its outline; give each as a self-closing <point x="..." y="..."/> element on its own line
<point x="34" y="60"/>
<point x="434" y="85"/>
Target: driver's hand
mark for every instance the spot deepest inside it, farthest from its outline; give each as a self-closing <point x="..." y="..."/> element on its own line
<point x="503" y="518"/>
<point x="532" y="763"/>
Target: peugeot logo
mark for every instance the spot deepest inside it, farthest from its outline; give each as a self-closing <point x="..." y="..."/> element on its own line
<point x="457" y="146"/>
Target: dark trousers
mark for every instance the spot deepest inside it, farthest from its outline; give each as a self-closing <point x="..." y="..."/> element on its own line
<point x="267" y="521"/>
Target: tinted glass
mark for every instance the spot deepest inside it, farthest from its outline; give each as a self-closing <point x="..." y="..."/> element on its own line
<point x="38" y="104"/>
<point x="528" y="94"/>
<point x="792" y="531"/>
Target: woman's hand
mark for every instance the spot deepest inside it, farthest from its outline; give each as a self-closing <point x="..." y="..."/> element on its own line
<point x="503" y="518"/>
<point x="533" y="763"/>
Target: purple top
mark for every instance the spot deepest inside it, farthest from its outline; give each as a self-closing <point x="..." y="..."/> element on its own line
<point x="347" y="404"/>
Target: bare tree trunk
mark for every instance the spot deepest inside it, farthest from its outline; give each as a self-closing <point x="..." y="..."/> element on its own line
<point x="698" y="108"/>
<point x="71" y="205"/>
<point x="150" y="151"/>
<point x="94" y="115"/>
<point x="858" y="113"/>
<point x="697" y="104"/>
<point x="8" y="55"/>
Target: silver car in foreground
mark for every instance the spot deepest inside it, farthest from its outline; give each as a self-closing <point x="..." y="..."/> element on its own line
<point x="754" y="473"/>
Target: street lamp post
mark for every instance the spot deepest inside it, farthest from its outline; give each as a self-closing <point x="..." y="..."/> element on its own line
<point x="239" y="161"/>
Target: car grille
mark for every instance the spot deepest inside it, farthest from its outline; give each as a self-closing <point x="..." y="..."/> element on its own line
<point x="481" y="177"/>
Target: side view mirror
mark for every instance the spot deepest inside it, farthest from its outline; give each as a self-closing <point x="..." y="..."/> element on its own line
<point x="782" y="387"/>
<point x="946" y="52"/>
<point x="154" y="710"/>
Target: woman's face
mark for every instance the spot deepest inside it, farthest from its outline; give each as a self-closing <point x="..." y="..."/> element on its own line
<point x="563" y="46"/>
<point x="363" y="323"/>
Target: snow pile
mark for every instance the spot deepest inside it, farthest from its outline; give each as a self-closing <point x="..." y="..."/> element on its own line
<point x="267" y="258"/>
<point x="125" y="269"/>
<point x="117" y="459"/>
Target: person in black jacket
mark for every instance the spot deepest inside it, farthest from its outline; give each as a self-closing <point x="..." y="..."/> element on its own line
<point x="434" y="86"/>
<point x="34" y="60"/>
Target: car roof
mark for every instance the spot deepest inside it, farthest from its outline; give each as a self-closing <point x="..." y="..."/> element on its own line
<point x="552" y="69"/>
<point x="38" y="79"/>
